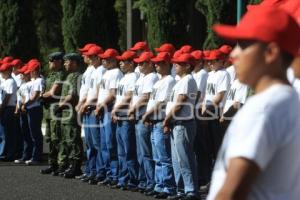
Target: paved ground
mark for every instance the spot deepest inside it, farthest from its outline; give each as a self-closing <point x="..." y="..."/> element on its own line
<point x="19" y="182"/>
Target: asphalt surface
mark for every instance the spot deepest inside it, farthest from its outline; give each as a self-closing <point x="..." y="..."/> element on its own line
<point x="22" y="182"/>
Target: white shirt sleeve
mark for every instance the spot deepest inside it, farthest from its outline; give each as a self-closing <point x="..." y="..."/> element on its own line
<point x="113" y="81"/>
<point x="165" y="91"/>
<point x="183" y="87"/>
<point x="37" y="86"/>
<point x="9" y="87"/>
<point x="223" y="83"/>
<point x="131" y="83"/>
<point x="241" y="95"/>
<point x="149" y="83"/>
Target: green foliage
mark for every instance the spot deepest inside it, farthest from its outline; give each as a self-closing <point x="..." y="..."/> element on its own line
<point x="86" y="21"/>
<point x="212" y="9"/>
<point x="17" y="31"/>
<point x="47" y="18"/>
<point x="120" y="7"/>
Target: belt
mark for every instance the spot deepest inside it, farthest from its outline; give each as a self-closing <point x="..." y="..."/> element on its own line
<point x="154" y="121"/>
<point x="180" y="122"/>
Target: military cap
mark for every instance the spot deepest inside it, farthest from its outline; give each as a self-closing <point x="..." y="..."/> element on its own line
<point x="73" y="56"/>
<point x="56" y="56"/>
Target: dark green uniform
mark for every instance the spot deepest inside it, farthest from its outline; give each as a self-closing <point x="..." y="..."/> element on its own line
<point x="71" y="149"/>
<point x="53" y="133"/>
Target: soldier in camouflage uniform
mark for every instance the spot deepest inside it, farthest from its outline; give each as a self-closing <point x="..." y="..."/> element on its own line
<point x="71" y="137"/>
<point x="50" y="98"/>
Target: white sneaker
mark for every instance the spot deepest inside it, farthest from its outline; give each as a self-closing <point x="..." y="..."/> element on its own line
<point x="19" y="161"/>
<point x="31" y="162"/>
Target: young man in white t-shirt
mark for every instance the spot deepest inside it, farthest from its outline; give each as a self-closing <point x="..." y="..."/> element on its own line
<point x="35" y="111"/>
<point x="218" y="82"/>
<point x="139" y="48"/>
<point x="22" y="98"/>
<point x="180" y="123"/>
<point x="128" y="168"/>
<point x="141" y="95"/>
<point x="8" y="119"/>
<point x="257" y="159"/>
<point x="105" y="103"/>
<point x="96" y="171"/>
<point x="154" y="116"/>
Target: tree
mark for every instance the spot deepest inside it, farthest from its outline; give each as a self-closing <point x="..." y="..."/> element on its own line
<point x="87" y="21"/>
<point x="17" y="31"/>
<point x="120" y="7"/>
<point x="212" y="9"/>
<point x="254" y="1"/>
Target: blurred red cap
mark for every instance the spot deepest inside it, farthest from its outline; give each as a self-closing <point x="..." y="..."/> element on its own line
<point x="162" y="56"/>
<point x="140" y="46"/>
<point x="94" y="50"/>
<point x="166" y="47"/>
<point x="127" y="55"/>
<point x="265" y="24"/>
<point x="197" y="54"/>
<point x="16" y="62"/>
<point x="23" y="69"/>
<point x="184" y="58"/>
<point x="225" y="49"/>
<point x="186" y="49"/>
<point x="109" y="53"/>
<point x="86" y="47"/>
<point x="144" y="57"/>
<point x="6" y="59"/>
<point x="5" y="66"/>
<point x="215" y="55"/>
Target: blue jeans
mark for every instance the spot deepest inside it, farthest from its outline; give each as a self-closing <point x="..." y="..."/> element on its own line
<point x="128" y="173"/>
<point x="144" y="156"/>
<point x="95" y="160"/>
<point x="28" y="142"/>
<point x="161" y="148"/>
<point x="109" y="147"/>
<point x="90" y="163"/>
<point x="183" y="156"/>
<point x="2" y="140"/>
<point x="35" y="116"/>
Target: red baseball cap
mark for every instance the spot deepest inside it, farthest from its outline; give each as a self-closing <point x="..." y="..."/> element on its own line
<point x="215" y="55"/>
<point x="162" y="56"/>
<point x="32" y="66"/>
<point x="127" y="55"/>
<point x="197" y="54"/>
<point x="6" y="59"/>
<point x="225" y="49"/>
<point x="94" y="50"/>
<point x="86" y="47"/>
<point x="23" y="69"/>
<point x="206" y="54"/>
<point x="177" y="54"/>
<point x="166" y="47"/>
<point x="144" y="57"/>
<point x="5" y="66"/>
<point x="186" y="49"/>
<point x="140" y="46"/>
<point x="259" y="24"/>
<point x="16" y="62"/>
<point x="184" y="58"/>
<point x="109" y="53"/>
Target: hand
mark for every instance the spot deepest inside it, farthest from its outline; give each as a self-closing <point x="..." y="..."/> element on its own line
<point x="203" y="109"/>
<point x="77" y="107"/>
<point x="145" y="118"/>
<point x="130" y="112"/>
<point x="166" y="127"/>
<point x="82" y="109"/>
<point x="23" y="109"/>
<point x="99" y="110"/>
<point x="114" y="117"/>
<point x="222" y="119"/>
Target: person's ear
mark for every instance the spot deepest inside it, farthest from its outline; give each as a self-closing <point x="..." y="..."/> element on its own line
<point x="272" y="53"/>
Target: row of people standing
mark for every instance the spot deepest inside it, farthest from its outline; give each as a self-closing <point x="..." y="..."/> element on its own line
<point x="139" y="123"/>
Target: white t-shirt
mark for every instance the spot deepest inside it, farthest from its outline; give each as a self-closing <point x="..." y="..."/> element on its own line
<point x="36" y="85"/>
<point x="18" y="79"/>
<point x="231" y="72"/>
<point x="161" y="92"/>
<point x="85" y="82"/>
<point x="217" y="81"/>
<point x="237" y="93"/>
<point x="9" y="86"/>
<point x="143" y="85"/>
<point x="95" y="80"/>
<point x="109" y="81"/>
<point x="265" y="131"/>
<point x="293" y="80"/>
<point x="23" y="92"/>
<point x="125" y="85"/>
<point x="201" y="80"/>
<point x="173" y="73"/>
<point x="185" y="86"/>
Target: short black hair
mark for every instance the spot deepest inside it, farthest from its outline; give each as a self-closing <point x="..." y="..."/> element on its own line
<point x="287" y="59"/>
